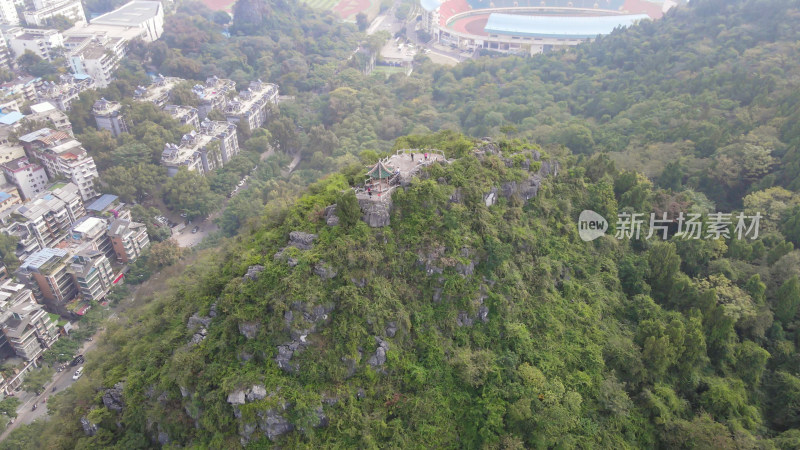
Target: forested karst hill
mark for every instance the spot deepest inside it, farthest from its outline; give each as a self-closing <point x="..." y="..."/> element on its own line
<point x="463" y="325"/>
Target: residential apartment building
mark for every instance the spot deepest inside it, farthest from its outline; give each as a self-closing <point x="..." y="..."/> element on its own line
<point x="46" y="112"/>
<point x="29" y="178"/>
<point x="50" y="217"/>
<point x="63" y="155"/>
<point x="158" y="91"/>
<point x="48" y="270"/>
<point x="66" y="91"/>
<point x="9" y="197"/>
<point x="213" y="94"/>
<point x="108" y="116"/>
<point x="22" y="89"/>
<point x="43" y="43"/>
<point x="91" y="231"/>
<point x="129" y="239"/>
<point x="253" y="106"/>
<point x="186" y="115"/>
<point x="95" y="60"/>
<point x="8" y="12"/>
<point x="44" y="10"/>
<point x="27" y="327"/>
<point x="6" y="60"/>
<point x="203" y="150"/>
<point x="93" y="275"/>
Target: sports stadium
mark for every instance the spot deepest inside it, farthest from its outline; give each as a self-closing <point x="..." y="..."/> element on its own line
<point x="531" y="26"/>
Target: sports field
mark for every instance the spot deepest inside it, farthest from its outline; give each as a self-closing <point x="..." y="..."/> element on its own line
<point x="347" y="9"/>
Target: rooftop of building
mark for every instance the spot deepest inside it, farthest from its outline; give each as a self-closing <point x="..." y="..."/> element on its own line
<point x="160" y="87"/>
<point x="104" y="107"/>
<point x="215" y="127"/>
<point x="18" y="164"/>
<point x="130" y="14"/>
<point x="213" y="87"/>
<point x="254" y="92"/>
<point x="43" y="107"/>
<point x="120" y="226"/>
<point x="103" y="202"/>
<point x="88" y="225"/>
<point x="10" y="118"/>
<point x="44" y="257"/>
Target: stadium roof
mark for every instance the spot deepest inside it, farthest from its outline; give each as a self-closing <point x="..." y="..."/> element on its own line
<point x="558" y="26"/>
<point x="129" y="15"/>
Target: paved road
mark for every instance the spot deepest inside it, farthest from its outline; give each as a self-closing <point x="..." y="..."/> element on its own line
<point x="61" y="381"/>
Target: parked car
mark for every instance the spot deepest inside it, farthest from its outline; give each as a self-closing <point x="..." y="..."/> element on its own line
<point x="194" y="230"/>
<point x="184" y="214"/>
<point x="78" y="360"/>
<point x="78" y="373"/>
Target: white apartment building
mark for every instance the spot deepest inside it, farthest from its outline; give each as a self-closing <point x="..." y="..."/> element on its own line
<point x="44" y="10"/>
<point x="42" y="43"/>
<point x="253" y="106"/>
<point x="186" y="115"/>
<point x="158" y="91"/>
<point x="63" y="155"/>
<point x="213" y="94"/>
<point x="208" y="148"/>
<point x="8" y="12"/>
<point x="29" y="178"/>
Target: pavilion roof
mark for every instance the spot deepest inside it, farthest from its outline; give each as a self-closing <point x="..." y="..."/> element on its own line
<point x="380" y="171"/>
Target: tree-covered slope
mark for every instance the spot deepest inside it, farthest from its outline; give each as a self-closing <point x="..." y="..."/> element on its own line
<point x="458" y="325"/>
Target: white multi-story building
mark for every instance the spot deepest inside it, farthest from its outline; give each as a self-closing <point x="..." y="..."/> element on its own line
<point x="208" y="148"/>
<point x="44" y="10"/>
<point x="186" y="115"/>
<point x="158" y="91"/>
<point x="63" y="155"/>
<point x="43" y="43"/>
<point x="93" y="275"/>
<point x="213" y="94"/>
<point x="27" y="327"/>
<point x="29" y="178"/>
<point x="8" y="12"/>
<point x="253" y="106"/>
<point x="50" y="216"/>
<point x="128" y="238"/>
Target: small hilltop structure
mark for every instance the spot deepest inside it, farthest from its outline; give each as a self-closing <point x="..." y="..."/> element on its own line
<point x="375" y="194"/>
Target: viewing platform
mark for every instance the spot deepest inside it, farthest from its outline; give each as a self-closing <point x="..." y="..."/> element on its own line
<point x="394" y="170"/>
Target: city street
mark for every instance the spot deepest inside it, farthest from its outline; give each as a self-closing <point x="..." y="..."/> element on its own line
<point x="61" y="380"/>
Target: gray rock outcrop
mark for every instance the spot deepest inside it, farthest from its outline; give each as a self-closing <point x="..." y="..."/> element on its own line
<point x="379" y="358"/>
<point x="112" y="398"/>
<point x="301" y="240"/>
<point x="88" y="427"/>
<point x="376" y="214"/>
<point x="249" y="329"/>
<point x="253" y="272"/>
<point x="324" y="271"/>
<point x="331" y="219"/>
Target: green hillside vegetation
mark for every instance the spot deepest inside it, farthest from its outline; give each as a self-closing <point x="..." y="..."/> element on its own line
<point x="503" y="328"/>
<point x="462" y="324"/>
